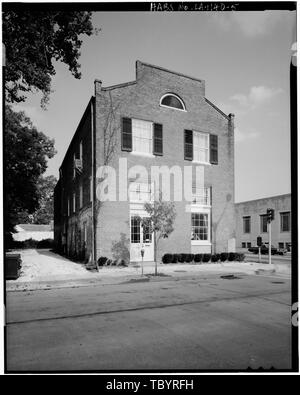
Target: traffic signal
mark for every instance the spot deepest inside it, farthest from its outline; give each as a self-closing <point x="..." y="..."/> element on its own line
<point x="270" y="214"/>
<point x="259" y="241"/>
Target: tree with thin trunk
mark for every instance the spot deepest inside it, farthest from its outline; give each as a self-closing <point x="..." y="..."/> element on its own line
<point x="160" y="222"/>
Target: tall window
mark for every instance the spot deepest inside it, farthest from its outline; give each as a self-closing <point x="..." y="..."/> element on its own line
<point x="135" y="229"/>
<point x="171" y="100"/>
<point x="264" y="223"/>
<point x="201" y="147"/>
<point x="141" y="136"/>
<point x="285" y="222"/>
<point x="247" y="224"/>
<point x="199" y="226"/>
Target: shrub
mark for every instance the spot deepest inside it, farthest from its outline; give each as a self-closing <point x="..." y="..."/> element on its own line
<point x="102" y="260"/>
<point x="182" y="258"/>
<point x="231" y="256"/>
<point x="121" y="262"/>
<point x="30" y="243"/>
<point x="224" y="256"/>
<point x="239" y="256"/>
<point x="175" y="258"/>
<point x="188" y="258"/>
<point x="215" y="257"/>
<point x="206" y="258"/>
<point x="198" y="258"/>
<point x="47" y="243"/>
<point x="167" y="258"/>
<point x="109" y="262"/>
<point x="192" y="257"/>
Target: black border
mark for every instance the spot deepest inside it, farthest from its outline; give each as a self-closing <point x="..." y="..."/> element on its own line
<point x="207" y="6"/>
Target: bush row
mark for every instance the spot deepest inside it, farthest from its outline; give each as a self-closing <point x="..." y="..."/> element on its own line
<point x="31" y="243"/>
<point x="203" y="258"/>
<point x="103" y="261"/>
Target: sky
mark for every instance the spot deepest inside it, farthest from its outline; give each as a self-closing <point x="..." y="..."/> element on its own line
<point x="244" y="59"/>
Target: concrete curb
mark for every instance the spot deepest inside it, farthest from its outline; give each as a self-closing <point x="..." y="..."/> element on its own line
<point x="167" y="273"/>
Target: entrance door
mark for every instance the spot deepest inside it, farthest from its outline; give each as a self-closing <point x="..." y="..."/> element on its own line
<point x="140" y="238"/>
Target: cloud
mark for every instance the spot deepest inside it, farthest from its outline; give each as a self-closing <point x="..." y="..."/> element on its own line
<point x="245" y="135"/>
<point x="251" y="24"/>
<point x="257" y="96"/>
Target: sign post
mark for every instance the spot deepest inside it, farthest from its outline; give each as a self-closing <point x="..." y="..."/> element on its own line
<point x="142" y="254"/>
<point x="270" y="216"/>
<point x="259" y="243"/>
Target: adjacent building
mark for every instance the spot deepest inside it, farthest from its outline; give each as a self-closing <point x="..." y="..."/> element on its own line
<point x="251" y="222"/>
<point x="161" y="119"/>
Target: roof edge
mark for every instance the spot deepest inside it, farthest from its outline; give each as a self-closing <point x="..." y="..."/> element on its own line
<point x="217" y="109"/>
<point x="169" y="71"/>
<point x="264" y="198"/>
<point x="123" y="85"/>
<point x="77" y="129"/>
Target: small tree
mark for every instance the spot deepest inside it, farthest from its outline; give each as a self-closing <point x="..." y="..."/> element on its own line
<point x="160" y="222"/>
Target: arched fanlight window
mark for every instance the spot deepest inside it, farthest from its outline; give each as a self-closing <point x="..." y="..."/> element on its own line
<point x="171" y="100"/>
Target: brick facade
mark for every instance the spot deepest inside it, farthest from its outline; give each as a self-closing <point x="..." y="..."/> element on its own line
<point x="140" y="100"/>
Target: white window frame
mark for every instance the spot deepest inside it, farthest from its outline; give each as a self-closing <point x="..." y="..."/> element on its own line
<point x="135" y="151"/>
<point x="68" y="206"/>
<point x="202" y="211"/>
<point x="174" y="108"/>
<point x="281" y="221"/>
<point x="207" y="136"/>
<point x="246" y="217"/>
<point x="74" y="168"/>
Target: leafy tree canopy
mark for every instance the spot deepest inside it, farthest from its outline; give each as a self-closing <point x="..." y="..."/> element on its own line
<point x="26" y="153"/>
<point x="33" y="41"/>
<point x="45" y="212"/>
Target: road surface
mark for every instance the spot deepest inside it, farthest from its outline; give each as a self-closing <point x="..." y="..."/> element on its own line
<point x="175" y="324"/>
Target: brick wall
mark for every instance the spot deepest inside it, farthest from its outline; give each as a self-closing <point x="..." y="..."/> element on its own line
<point x="141" y="100"/>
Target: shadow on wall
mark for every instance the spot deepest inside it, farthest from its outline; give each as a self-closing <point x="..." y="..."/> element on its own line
<point x="120" y="249"/>
<point x="216" y="224"/>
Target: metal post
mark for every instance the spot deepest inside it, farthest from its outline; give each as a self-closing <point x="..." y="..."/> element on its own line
<point x="269" y="226"/>
<point x="259" y="255"/>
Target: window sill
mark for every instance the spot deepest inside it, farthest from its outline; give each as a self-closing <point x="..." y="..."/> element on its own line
<point x="172" y="108"/>
<point x="200" y="243"/>
<point x="142" y="154"/>
<point x="201" y="163"/>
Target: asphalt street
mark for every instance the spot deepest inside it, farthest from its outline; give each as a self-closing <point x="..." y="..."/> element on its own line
<point x="204" y="322"/>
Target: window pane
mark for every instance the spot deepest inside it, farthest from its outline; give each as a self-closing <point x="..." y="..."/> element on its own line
<point x="199" y="226"/>
<point x="263" y="224"/>
<point x="142" y="136"/>
<point x="172" y="101"/>
<point x="285" y="222"/>
<point x="246" y="223"/>
<point x="201" y="146"/>
<point x="135" y="229"/>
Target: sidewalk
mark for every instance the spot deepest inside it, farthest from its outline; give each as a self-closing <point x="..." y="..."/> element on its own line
<point x="42" y="269"/>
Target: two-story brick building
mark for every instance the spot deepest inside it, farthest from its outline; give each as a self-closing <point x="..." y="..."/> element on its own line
<point x="161" y="119"/>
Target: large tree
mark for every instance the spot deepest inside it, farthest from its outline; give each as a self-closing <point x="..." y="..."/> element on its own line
<point x="33" y="40"/>
<point x="26" y="151"/>
<point x="45" y="212"/>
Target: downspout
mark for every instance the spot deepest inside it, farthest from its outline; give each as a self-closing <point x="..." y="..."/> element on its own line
<point x="93" y="127"/>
